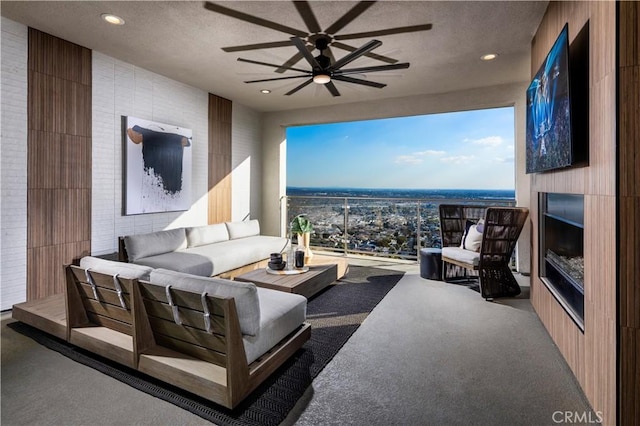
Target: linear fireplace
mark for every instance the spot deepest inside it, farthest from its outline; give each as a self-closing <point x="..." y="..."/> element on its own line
<point x="562" y="250"/>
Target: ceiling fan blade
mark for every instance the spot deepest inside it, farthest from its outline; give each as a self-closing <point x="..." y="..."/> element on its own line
<point x="295" y="89"/>
<point x="329" y="53"/>
<point x="332" y="88"/>
<point x="252" y="19"/>
<point x="390" y="31"/>
<point x="257" y="46"/>
<point x="291" y="61"/>
<point x="250" y="61"/>
<point x="304" y="9"/>
<point x="371" y="55"/>
<point x="277" y="78"/>
<point x="349" y="16"/>
<point x="363" y="70"/>
<point x="302" y="47"/>
<point x="358" y="81"/>
<point x="356" y="54"/>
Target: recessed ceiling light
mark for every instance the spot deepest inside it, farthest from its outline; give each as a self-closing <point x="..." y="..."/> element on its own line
<point x="112" y="19"/>
<point x="489" y="56"/>
<point x="265" y="91"/>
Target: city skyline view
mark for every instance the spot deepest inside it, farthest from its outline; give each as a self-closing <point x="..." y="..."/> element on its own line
<point x="455" y="150"/>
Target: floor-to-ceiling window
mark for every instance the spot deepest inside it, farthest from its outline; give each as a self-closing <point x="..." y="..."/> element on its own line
<point x="373" y="186"/>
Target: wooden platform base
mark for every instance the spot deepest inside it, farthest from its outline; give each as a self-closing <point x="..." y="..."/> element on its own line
<point x="208" y="360"/>
<point x="46" y="314"/>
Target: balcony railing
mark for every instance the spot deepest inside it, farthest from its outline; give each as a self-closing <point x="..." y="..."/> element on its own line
<point x="386" y="227"/>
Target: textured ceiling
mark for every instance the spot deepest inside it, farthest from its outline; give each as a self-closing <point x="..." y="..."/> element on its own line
<point x="183" y="40"/>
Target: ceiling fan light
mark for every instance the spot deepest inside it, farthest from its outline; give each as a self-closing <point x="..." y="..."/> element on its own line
<point x="321" y="78"/>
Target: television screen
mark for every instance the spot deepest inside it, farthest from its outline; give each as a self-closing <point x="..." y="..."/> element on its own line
<point x="548" y="143"/>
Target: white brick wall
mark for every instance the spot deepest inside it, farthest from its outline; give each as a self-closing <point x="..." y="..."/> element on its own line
<point x="13" y="164"/>
<point x="121" y="89"/>
<point x="118" y="89"/>
<point x="246" y="159"/>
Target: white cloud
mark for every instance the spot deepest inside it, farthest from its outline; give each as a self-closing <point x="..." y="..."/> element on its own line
<point x="490" y="141"/>
<point x="415" y="157"/>
<point x="458" y="159"/>
<point x="408" y="159"/>
<point x="429" y="152"/>
<point x="510" y="159"/>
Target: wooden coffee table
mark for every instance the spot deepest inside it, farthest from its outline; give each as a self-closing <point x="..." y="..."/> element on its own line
<point x="306" y="284"/>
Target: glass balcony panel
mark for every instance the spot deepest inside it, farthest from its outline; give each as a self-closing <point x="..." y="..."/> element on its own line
<point x="395" y="228"/>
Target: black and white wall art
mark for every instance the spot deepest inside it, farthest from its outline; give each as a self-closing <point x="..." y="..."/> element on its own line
<point x="157" y="167"/>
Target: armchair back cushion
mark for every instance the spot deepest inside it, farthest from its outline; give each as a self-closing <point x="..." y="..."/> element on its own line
<point x="109" y="267"/>
<point x="245" y="294"/>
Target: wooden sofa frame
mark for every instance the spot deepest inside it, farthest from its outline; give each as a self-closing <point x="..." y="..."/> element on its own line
<point x="190" y="340"/>
<point x="502" y="228"/>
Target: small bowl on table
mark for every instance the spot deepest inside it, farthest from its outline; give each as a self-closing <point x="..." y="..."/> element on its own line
<point x="277" y="266"/>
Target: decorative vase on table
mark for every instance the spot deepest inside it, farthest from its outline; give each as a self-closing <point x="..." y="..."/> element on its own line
<point x="304" y="240"/>
<point x="301" y="225"/>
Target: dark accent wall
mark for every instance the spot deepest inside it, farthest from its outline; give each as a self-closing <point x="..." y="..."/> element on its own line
<point x="59" y="160"/>
<point x="219" y="194"/>
<point x="629" y="211"/>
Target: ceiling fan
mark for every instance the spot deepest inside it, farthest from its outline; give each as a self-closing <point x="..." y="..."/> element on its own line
<point x="315" y="32"/>
<point x="323" y="71"/>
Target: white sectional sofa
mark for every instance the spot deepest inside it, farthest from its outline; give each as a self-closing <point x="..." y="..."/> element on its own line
<point x="202" y="250"/>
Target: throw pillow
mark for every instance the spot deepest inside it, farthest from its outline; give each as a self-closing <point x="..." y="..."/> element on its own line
<point x="248" y="228"/>
<point x="467" y="225"/>
<point x="209" y="234"/>
<point x="473" y="240"/>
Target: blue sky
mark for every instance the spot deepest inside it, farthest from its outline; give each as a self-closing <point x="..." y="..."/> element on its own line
<point x="457" y="150"/>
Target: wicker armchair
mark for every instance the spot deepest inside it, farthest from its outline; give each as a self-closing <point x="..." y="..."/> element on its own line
<point x="501" y="231"/>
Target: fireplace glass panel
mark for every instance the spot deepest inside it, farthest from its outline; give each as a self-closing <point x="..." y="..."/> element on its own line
<point x="562" y="251"/>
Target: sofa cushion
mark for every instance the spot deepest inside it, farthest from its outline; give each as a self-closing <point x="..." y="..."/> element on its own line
<point x="243" y="229"/>
<point x="181" y="261"/>
<point x="461" y="255"/>
<point x="144" y="245"/>
<point x="244" y="294"/>
<point x="110" y="267"/>
<point x="201" y="235"/>
<point x="232" y="254"/>
<point x="280" y="314"/>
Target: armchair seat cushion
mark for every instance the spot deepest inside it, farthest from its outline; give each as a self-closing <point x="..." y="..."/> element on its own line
<point x="280" y="314"/>
<point x="461" y="255"/>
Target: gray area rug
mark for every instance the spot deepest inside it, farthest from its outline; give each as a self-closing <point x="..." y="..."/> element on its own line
<point x="335" y="314"/>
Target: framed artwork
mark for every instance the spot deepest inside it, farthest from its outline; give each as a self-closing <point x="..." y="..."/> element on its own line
<point x="157" y="167"/>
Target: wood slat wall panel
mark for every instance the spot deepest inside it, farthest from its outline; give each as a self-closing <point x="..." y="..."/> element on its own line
<point x="59" y="160"/>
<point x="592" y="355"/>
<point x="629" y="212"/>
<point x="629" y="111"/>
<point x="629" y="30"/>
<point x="45" y="267"/>
<point x="220" y="150"/>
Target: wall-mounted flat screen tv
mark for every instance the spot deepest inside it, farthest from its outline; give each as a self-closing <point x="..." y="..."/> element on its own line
<point x="549" y="138"/>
